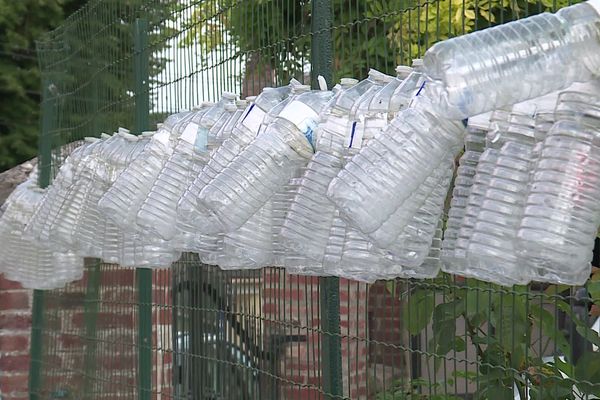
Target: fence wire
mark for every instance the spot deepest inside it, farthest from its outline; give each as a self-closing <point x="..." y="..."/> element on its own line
<point x="266" y="334"/>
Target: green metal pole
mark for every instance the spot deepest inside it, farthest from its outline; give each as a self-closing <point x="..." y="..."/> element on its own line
<point x="144" y="275"/>
<point x="331" y="345"/>
<point x="37" y="312"/>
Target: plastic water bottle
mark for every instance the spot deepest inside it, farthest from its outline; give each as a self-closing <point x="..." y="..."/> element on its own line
<point x="158" y="212"/>
<point x="562" y="215"/>
<point x="124" y="198"/>
<point x="397" y="161"/>
<point x="304" y="230"/>
<point x="191" y="217"/>
<point x="474" y="146"/>
<point x="495" y="204"/>
<point x="240" y="189"/>
<point x="45" y="213"/>
<point x="25" y="260"/>
<point x="88" y="232"/>
<point x="413" y="244"/>
<point x="522" y="55"/>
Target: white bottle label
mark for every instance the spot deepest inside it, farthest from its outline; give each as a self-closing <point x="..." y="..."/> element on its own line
<point x="301" y="115"/>
<point x="357" y="131"/>
<point x="253" y="118"/>
<point x="190" y="132"/>
<point x="595" y="4"/>
<point x="201" y="142"/>
<point x="162" y="137"/>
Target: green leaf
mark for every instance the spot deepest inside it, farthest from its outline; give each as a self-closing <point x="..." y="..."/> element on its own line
<point x="417" y="310"/>
<point x="593" y="286"/>
<point x="588" y="369"/>
<point x="548" y="324"/>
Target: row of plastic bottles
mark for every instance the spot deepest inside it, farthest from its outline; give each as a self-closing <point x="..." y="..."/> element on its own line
<point x="24" y="260"/>
<point x="352" y="181"/>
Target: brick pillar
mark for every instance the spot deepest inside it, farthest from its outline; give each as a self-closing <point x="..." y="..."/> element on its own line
<point x="15" y="328"/>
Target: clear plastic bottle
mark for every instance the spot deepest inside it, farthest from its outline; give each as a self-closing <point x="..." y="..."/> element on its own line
<point x="240" y="189"/>
<point x="397" y="161"/>
<point x="412" y="245"/>
<point x="308" y="222"/>
<point x="474" y="146"/>
<point x="25" y="260"/>
<point x="496" y="203"/>
<point x="89" y="229"/>
<point x="190" y="215"/>
<point x="158" y="212"/>
<point x="516" y="61"/>
<point x="562" y="214"/>
<point x="45" y="213"/>
<point x="124" y="198"/>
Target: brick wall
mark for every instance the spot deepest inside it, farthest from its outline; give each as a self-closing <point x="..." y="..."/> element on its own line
<point x="291" y="307"/>
<point x="15" y="327"/>
<point x="387" y="358"/>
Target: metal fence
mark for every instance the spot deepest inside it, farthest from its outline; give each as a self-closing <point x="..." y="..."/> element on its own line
<point x="197" y="332"/>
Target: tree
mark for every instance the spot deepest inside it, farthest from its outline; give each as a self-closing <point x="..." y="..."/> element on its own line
<point x="273" y="36"/>
<point x="21" y="22"/>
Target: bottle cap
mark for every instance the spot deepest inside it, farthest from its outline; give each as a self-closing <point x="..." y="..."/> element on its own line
<point x="300" y="88"/>
<point x="403" y="71"/>
<point x="417" y="63"/>
<point x="229" y="95"/>
<point x="90" y="139"/>
<point x="104" y="135"/>
<point x="127" y="135"/>
<point x="123" y="130"/>
<point x="374" y="74"/>
<point x="147" y="133"/>
<point x="348" y="81"/>
<point x="241" y="103"/>
<point x="322" y="83"/>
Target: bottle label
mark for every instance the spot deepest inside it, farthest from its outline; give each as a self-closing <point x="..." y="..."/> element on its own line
<point x="162" y="137"/>
<point x="304" y="117"/>
<point x="357" y="131"/>
<point x="201" y="142"/>
<point x="190" y="132"/>
<point x="253" y="118"/>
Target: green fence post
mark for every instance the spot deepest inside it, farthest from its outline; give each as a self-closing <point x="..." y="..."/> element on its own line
<point x="331" y="346"/>
<point x="144" y="275"/>
<point x="37" y="312"/>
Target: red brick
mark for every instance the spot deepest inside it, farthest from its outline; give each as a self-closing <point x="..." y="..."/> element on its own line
<point x="14" y="363"/>
<point x="14" y="300"/>
<point x="14" y="383"/>
<point x="106" y="320"/>
<point x="119" y="277"/>
<point x="71" y="341"/>
<point x="18" y="321"/>
<point x="162" y="316"/>
<point x="6" y="284"/>
<point x="270" y="308"/>
<point x="13" y="343"/>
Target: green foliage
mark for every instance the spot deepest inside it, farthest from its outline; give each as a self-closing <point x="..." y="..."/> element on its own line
<point x="500" y="323"/>
<point x="21" y="22"/>
<point x="376" y="34"/>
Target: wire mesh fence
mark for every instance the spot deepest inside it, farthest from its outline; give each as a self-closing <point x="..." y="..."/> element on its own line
<point x="198" y="332"/>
